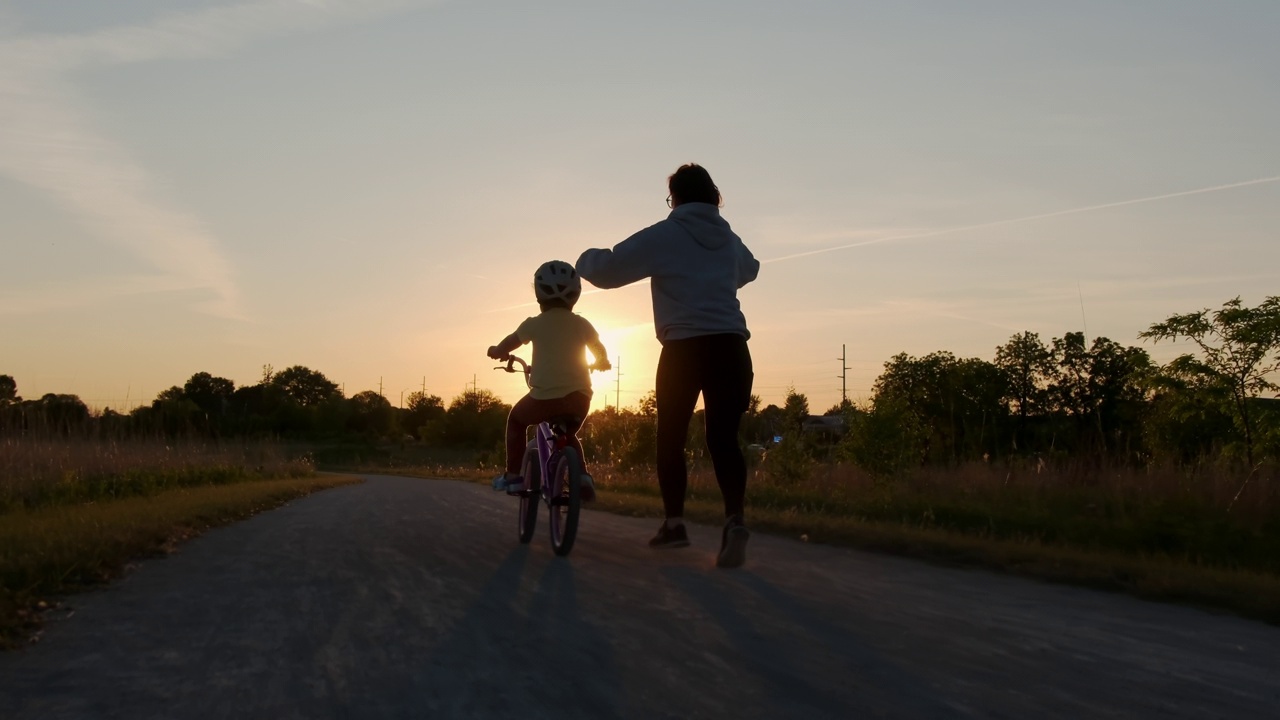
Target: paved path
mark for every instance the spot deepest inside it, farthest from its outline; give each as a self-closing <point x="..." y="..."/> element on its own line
<point x="405" y="598"/>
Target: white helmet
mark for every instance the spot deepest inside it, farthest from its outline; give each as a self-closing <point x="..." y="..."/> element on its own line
<point x="557" y="280"/>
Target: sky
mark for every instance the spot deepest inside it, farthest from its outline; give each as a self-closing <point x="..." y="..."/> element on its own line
<point x="365" y="187"/>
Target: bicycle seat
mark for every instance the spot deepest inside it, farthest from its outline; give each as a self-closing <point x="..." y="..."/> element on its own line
<point x="561" y="423"/>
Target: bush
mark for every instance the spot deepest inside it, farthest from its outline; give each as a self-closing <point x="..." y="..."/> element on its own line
<point x="887" y="441"/>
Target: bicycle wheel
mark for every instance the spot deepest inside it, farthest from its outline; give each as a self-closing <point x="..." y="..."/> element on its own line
<point x="566" y="500"/>
<point x="528" y="518"/>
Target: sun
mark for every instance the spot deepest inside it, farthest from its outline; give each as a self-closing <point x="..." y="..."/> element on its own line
<point x="633" y="351"/>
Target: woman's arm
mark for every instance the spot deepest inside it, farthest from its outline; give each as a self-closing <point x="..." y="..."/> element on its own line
<point x="629" y="261"/>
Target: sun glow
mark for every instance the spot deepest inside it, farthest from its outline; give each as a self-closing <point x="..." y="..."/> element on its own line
<point x="633" y="350"/>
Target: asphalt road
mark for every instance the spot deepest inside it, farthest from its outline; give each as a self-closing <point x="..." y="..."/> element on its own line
<point x="405" y="598"/>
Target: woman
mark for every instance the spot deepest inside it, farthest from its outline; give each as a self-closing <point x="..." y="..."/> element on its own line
<point x="697" y="264"/>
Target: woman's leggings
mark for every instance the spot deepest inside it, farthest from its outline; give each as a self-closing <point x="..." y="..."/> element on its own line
<point x="718" y="367"/>
<point x="531" y="411"/>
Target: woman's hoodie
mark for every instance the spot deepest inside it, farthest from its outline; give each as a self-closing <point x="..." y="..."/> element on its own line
<point x="696" y="263"/>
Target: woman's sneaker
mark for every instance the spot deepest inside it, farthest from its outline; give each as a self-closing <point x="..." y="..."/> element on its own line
<point x="667" y="537"/>
<point x="733" y="543"/>
<point x="587" y="490"/>
<point x="510" y="484"/>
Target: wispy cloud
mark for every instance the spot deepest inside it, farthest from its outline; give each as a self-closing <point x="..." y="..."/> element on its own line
<point x="1027" y="218"/>
<point x="47" y="142"/>
<point x="62" y="296"/>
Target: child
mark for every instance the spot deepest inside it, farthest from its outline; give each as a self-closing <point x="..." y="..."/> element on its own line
<point x="560" y="382"/>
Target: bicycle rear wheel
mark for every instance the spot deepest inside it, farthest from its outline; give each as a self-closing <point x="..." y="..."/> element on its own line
<point x="528" y="518"/>
<point x="566" y="500"/>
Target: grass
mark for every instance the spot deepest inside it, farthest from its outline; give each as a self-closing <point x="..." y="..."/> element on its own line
<point x="75" y="513"/>
<point x="1208" y="536"/>
<point x="46" y="472"/>
<point x="51" y="552"/>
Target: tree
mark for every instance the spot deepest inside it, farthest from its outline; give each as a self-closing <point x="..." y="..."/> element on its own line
<point x="371" y="414"/>
<point x="1190" y="412"/>
<point x="211" y="394"/>
<point x="794" y="410"/>
<point x="475" y="419"/>
<point x="1239" y="347"/>
<point x="304" y="386"/>
<point x="57" y="413"/>
<point x="8" y="390"/>
<point x="649" y="404"/>
<point x="422" y="410"/>
<point x="1026" y="363"/>
<point x="1098" y="387"/>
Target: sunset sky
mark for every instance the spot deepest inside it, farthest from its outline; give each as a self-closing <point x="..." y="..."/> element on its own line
<point x="365" y="187"/>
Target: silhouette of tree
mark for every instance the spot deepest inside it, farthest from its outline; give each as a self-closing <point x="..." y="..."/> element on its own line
<point x="370" y="414"/>
<point x="1027" y="364"/>
<point x="1239" y="348"/>
<point x="8" y="390"/>
<point x="304" y="386"/>
<point x="211" y="394"/>
<point x="422" y="411"/>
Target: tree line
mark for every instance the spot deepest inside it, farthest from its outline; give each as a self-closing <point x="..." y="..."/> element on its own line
<point x="1068" y="397"/>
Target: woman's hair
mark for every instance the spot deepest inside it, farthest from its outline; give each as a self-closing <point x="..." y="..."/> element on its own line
<point x="692" y="183"/>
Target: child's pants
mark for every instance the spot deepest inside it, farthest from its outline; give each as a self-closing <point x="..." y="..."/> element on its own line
<point x="531" y="411"/>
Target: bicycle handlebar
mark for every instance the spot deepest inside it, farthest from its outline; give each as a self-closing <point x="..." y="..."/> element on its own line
<point x="512" y="361"/>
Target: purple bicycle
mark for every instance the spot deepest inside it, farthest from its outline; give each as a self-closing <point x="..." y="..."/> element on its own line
<point x="552" y="472"/>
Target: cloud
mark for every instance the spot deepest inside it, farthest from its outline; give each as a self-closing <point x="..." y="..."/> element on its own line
<point x="45" y="144"/>
<point x="1028" y="218"/>
<point x="22" y="301"/>
<point x="46" y="141"/>
<point x="204" y="33"/>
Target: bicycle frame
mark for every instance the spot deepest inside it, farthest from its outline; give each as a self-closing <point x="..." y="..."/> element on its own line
<point x="549" y="443"/>
<point x="557" y="478"/>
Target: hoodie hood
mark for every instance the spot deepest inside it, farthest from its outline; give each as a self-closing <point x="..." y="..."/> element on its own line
<point x="703" y="222"/>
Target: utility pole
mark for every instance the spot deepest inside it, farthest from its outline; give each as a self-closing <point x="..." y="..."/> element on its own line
<point x="424" y="387"/>
<point x="380" y="386"/>
<point x="617" y="392"/>
<point x="844" y="375"/>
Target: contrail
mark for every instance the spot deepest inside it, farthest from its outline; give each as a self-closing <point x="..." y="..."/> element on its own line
<point x="963" y="228"/>
<point x="1028" y="218"/>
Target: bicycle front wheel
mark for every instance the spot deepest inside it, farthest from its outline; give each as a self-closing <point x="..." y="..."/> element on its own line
<point x="528" y="517"/>
<point x="566" y="500"/>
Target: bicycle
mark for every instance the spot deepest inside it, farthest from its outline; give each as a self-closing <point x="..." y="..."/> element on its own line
<point x="549" y="455"/>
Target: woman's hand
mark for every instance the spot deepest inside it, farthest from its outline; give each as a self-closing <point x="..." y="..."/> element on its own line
<point x="496" y="353"/>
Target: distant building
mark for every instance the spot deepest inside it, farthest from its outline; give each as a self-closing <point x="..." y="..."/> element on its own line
<point x="826" y="425"/>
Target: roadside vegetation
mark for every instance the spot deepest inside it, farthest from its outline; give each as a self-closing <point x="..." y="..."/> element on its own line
<point x="1073" y="459"/>
<point x="75" y="511"/>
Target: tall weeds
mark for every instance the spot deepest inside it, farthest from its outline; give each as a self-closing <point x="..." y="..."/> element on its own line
<point x="1208" y="515"/>
<point x="42" y="472"/>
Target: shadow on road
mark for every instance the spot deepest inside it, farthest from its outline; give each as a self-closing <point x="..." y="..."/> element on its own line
<point x="770" y="629"/>
<point x="522" y="650"/>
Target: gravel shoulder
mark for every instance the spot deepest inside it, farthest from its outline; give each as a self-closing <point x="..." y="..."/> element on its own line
<point x="411" y="598"/>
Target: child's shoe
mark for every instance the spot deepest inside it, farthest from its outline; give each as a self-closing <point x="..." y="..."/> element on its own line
<point x="509" y="483"/>
<point x="587" y="490"/>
